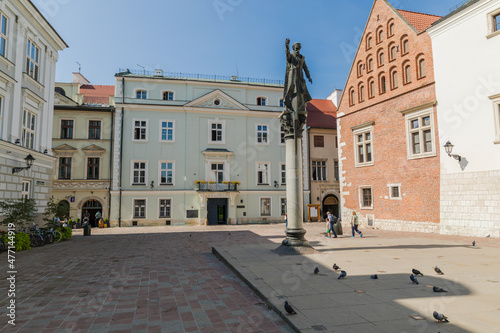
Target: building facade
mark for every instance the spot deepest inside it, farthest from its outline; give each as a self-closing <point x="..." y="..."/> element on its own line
<point x="29" y="48"/>
<point x="83" y="144"/>
<point x="388" y="143"/>
<point x="193" y="150"/>
<point x="469" y="117"/>
<point x="323" y="157"/>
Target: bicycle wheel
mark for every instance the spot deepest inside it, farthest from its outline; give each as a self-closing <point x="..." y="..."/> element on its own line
<point x="33" y="241"/>
<point x="57" y="235"/>
<point x="40" y="239"/>
<point x="50" y="237"/>
<point x="2" y="245"/>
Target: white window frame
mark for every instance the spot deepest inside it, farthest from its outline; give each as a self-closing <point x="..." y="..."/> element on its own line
<point x="270" y="206"/>
<point x="132" y="170"/>
<point x="266" y="132"/>
<point x="159" y="208"/>
<point x="282" y="173"/>
<point x="281" y="206"/>
<point x="87" y="167"/>
<point x="26" y="189"/>
<point x="4" y="37"/>
<point x="363" y="130"/>
<point x="410" y="116"/>
<point x="29" y="131"/>
<point x="322" y="168"/>
<point x="268" y="173"/>
<point x="492" y="31"/>
<point x="160" y="171"/>
<point x="213" y="173"/>
<point x="33" y="62"/>
<point x="496" y="116"/>
<point x="391" y="186"/>
<point x="261" y="98"/>
<point x="143" y="91"/>
<point x="140" y="126"/>
<point x="361" y="188"/>
<point x="145" y="208"/>
<point x="223" y="130"/>
<point x="161" y="130"/>
<point x="168" y="91"/>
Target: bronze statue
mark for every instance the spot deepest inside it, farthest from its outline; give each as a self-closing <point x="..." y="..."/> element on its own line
<point x="295" y="95"/>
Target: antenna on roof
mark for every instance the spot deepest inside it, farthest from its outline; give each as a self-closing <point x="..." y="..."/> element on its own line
<point x="143" y="68"/>
<point x="79" y="67"/>
<point x="237" y="72"/>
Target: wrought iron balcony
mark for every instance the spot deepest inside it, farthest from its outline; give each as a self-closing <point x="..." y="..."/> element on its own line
<point x="217" y="187"/>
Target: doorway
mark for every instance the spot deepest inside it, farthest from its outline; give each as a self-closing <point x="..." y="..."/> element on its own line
<point x="331" y="203"/>
<point x="89" y="209"/>
<point x="217" y="211"/>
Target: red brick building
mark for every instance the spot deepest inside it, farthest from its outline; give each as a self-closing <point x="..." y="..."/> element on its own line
<point x="387" y="123"/>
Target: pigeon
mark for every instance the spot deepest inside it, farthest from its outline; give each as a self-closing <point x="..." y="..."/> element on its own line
<point x="413" y="279"/>
<point x="439" y="290"/>
<point x="374" y="276"/>
<point x="417" y="272"/>
<point x="342" y="275"/>
<point x="440" y="317"/>
<point x="335" y="267"/>
<point x="438" y="270"/>
<point x="487" y="236"/>
<point x="289" y="308"/>
<point x="474" y="243"/>
<point x="316" y="270"/>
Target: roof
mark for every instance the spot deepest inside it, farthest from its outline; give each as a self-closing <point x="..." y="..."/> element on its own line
<point x="456" y="11"/>
<point x="419" y="21"/>
<point x="321" y="113"/>
<point x="96" y="94"/>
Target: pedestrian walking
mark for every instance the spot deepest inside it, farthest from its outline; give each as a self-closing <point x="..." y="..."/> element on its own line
<point x="354" y="225"/>
<point x="330" y="220"/>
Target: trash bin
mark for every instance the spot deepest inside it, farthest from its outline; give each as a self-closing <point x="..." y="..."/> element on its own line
<point x="86" y="229"/>
<point x="338" y="228"/>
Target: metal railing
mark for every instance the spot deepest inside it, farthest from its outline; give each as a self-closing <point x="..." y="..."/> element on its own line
<point x="217" y="187"/>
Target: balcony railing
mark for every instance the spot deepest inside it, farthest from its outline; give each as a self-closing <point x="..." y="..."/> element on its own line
<point x="217" y="187"/>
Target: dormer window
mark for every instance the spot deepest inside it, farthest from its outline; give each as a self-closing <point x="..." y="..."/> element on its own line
<point x="168" y="96"/>
<point x="261" y="101"/>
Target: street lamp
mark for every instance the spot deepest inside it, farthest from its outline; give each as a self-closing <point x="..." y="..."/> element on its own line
<point x="29" y="162"/>
<point x="449" y="148"/>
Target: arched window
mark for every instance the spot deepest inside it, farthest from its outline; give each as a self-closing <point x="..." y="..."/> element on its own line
<point x="394" y="78"/>
<point x="361" y="93"/>
<point x="421" y="67"/>
<point x="406" y="72"/>
<point x="261" y="101"/>
<point x="390" y="28"/>
<point x="405" y="45"/>
<point x="360" y="68"/>
<point x="371" y="88"/>
<point x="168" y="96"/>
<point x="381" y="58"/>
<point x="392" y="51"/>
<point x="369" y="62"/>
<point x="141" y="94"/>
<point x="382" y="84"/>
<point x="380" y="35"/>
<point x="60" y="90"/>
<point x="351" y="96"/>
<point x="369" y="41"/>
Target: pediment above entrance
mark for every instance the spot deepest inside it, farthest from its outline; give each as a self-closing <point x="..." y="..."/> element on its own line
<point x="217" y="99"/>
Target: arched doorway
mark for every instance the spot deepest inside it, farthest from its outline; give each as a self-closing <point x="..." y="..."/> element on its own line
<point x="63" y="209"/>
<point x="90" y="208"/>
<point x="331" y="203"/>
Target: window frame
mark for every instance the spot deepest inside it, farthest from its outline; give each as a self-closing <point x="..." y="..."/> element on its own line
<point x="352" y="97"/>
<point x="369" y="41"/>
<point x="371" y="88"/>
<point x="379" y="34"/>
<point x="261" y="100"/>
<point x="26" y="193"/>
<point x="320" y="142"/>
<point x="394" y="83"/>
<point x="382" y="81"/>
<point x="283" y="173"/>
<point x="98" y="167"/>
<point x="145" y="208"/>
<point x="67" y="167"/>
<point x="160" y="171"/>
<point x="282" y="135"/>
<point x="421" y="59"/>
<point x="167" y="92"/>
<point x="34" y="72"/>
<point x="223" y="132"/>
<point x="283" y="205"/>
<point x="281" y="102"/>
<point x="391" y="187"/>
<point x="89" y="121"/>
<point x="169" y="216"/>
<point x="406" y="73"/>
<point x="270" y="206"/>
<point x="336" y="170"/>
<point x="361" y="92"/>
<point x="132" y="173"/>
<point x="405" y="45"/>
<point x="380" y="57"/>
<point x="61" y="126"/>
<point x="362" y="131"/>
<point x="369" y="64"/>
<point x="146" y="127"/>
<point x="496" y="116"/>
<point x="493" y="26"/>
<point x="4" y="35"/>
<point x="29" y="131"/>
<point x="265" y="134"/>
<point x="268" y="172"/>
<point x="144" y="94"/>
<point x="162" y="128"/>
<point x="361" y="189"/>
<point x="319" y="170"/>
<point x="420" y="114"/>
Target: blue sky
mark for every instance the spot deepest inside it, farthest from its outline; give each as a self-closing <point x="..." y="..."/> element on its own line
<point x="222" y="37"/>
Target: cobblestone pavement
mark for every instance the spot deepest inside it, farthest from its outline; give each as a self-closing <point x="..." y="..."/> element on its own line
<point x="152" y="279"/>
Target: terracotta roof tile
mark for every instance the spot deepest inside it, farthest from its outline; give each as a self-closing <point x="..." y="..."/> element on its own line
<point x="420" y="21"/>
<point x="96" y="94"/>
<point x="321" y="113"/>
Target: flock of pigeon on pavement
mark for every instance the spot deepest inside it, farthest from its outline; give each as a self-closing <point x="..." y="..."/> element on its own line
<point x="413" y="277"/>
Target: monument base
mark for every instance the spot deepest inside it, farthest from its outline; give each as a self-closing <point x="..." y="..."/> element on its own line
<point x="295" y="243"/>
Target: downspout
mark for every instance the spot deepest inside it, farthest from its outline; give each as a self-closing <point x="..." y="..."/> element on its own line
<point x="111" y="160"/>
<point x="309" y="164"/>
<point x="121" y="158"/>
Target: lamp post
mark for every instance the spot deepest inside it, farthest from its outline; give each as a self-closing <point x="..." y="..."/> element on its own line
<point x="29" y="162"/>
<point x="448" y="147"/>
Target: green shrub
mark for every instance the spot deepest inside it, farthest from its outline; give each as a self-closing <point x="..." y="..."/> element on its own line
<point x="21" y="240"/>
<point x="65" y="232"/>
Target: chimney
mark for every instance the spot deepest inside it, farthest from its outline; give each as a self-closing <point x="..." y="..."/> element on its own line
<point x="80" y="79"/>
<point x="158" y="72"/>
<point x="335" y="97"/>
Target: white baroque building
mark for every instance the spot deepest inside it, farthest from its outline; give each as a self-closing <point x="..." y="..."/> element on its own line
<point x="192" y="149"/>
<point x="29" y="48"/>
<point x="466" y="45"/>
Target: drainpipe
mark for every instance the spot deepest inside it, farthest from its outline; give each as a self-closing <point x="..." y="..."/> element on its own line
<point x="111" y="160"/>
<point x="309" y="163"/>
<point x="121" y="158"/>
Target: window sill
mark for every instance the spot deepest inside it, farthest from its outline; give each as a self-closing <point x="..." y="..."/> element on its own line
<point x="142" y="217"/>
<point x="35" y="82"/>
<point x="362" y="165"/>
<point x="426" y="155"/>
<point x="366" y="208"/>
<point x="262" y="184"/>
<point x="139" y="141"/>
<point x="166" y="184"/>
<point x="137" y="184"/>
<point x="396" y="198"/>
<point x="496" y="142"/>
<point x="7" y="61"/>
<point x="493" y="34"/>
